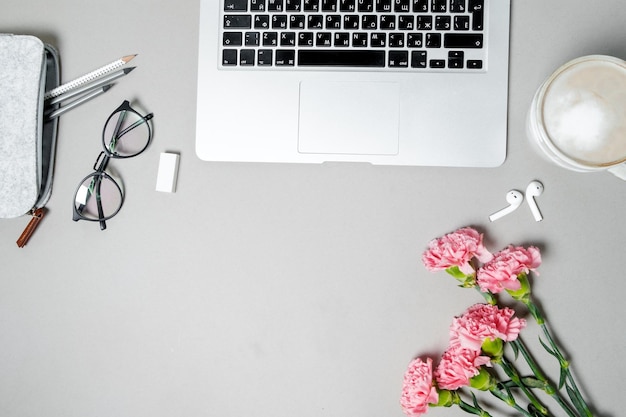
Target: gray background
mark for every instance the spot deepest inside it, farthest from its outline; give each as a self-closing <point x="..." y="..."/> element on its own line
<point x="279" y="290"/>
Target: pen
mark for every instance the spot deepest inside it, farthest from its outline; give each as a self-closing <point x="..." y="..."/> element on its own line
<point x="93" y="86"/>
<point x="78" y="102"/>
<point x="87" y="78"/>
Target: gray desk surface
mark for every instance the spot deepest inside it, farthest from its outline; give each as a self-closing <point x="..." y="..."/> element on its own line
<point x="283" y="290"/>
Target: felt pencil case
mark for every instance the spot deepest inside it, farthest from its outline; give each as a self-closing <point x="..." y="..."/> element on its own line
<point x="28" y="68"/>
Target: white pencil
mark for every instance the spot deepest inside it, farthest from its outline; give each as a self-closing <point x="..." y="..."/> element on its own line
<point x="91" y="86"/>
<point x="88" y="77"/>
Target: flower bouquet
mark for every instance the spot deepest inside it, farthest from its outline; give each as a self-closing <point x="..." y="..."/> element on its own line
<point x="485" y="344"/>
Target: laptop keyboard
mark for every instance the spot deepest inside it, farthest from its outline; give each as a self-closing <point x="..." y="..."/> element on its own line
<point x="385" y="35"/>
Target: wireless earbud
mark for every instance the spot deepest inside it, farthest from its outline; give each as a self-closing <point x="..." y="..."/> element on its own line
<point x="534" y="189"/>
<point x="514" y="198"/>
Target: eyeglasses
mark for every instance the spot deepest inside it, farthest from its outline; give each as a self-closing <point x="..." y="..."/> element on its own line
<point x="126" y="134"/>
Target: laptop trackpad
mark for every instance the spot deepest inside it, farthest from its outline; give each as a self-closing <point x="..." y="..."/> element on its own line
<point x="348" y="118"/>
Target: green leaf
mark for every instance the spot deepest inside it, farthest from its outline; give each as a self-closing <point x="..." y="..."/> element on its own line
<point x="578" y="401"/>
<point x="548" y="349"/>
<point x="563" y="378"/>
<point x="515" y="348"/>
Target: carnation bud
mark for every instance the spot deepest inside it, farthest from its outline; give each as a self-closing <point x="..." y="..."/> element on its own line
<point x="483" y="381"/>
<point x="524" y="292"/>
<point x="446" y="399"/>
<point x="494" y="348"/>
<point x="466" y="280"/>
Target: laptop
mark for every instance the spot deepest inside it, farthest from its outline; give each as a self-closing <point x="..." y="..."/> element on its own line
<point x="387" y="82"/>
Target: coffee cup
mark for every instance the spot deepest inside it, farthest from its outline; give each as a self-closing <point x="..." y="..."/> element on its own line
<point x="577" y="118"/>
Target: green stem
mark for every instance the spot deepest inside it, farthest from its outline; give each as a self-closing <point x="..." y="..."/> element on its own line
<point x="509" y="400"/>
<point x="564" y="364"/>
<point x="512" y="373"/>
<point x="547" y="386"/>
<point x="489" y="297"/>
<point x="468" y="408"/>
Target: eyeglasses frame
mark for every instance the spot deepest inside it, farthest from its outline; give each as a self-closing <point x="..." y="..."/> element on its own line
<point x="106" y="155"/>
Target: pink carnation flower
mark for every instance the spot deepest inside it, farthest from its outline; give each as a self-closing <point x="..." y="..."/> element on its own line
<point x="418" y="390"/>
<point x="484" y="321"/>
<point x="502" y="271"/>
<point x="457" y="366"/>
<point x="456" y="249"/>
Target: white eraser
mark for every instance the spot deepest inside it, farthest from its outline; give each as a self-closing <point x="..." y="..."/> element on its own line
<point x="168" y="171"/>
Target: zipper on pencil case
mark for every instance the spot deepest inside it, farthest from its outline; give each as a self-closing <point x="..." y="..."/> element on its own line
<point x="31" y="226"/>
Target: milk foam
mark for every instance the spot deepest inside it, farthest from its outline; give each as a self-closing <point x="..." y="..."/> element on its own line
<point x="584" y="112"/>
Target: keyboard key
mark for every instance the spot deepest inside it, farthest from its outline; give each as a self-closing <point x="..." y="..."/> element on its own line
<point x="438" y="6"/>
<point x="474" y="63"/>
<point x="351" y="21"/>
<point x="405" y="22"/>
<point x="229" y="57"/>
<point x="457" y="6"/>
<point x="246" y="57"/>
<point x="455" y="59"/>
<point x="315" y="21"/>
<point x="342" y="39"/>
<point x="378" y="40"/>
<point x="414" y="40"/>
<point x="387" y="22"/>
<point x="463" y="40"/>
<point x="418" y="59"/>
<point x="420" y="6"/>
<point x="461" y="23"/>
<point x="369" y="22"/>
<point x="265" y="57"/>
<point x="262" y="21"/>
<point x="396" y="40"/>
<point x="333" y="21"/>
<point x="402" y="6"/>
<point x="275" y="5"/>
<point x="270" y="39"/>
<point x="238" y="21"/>
<point x="287" y="39"/>
<point x="305" y="39"/>
<point x="476" y="7"/>
<point x="285" y="58"/>
<point x="398" y="59"/>
<point x="235" y="5"/>
<point x="433" y="40"/>
<point x="345" y="58"/>
<point x="437" y="63"/>
<point x="293" y="5"/>
<point x="383" y="6"/>
<point x="279" y="21"/>
<point x="297" y="21"/>
<point x="424" y="23"/>
<point x="329" y="5"/>
<point x="257" y="5"/>
<point x="365" y="5"/>
<point x="323" y="39"/>
<point x="311" y="5"/>
<point x="232" y="39"/>
<point x="347" y="6"/>
<point x="359" y="40"/>
<point x="443" y="22"/>
<point x="252" y="38"/>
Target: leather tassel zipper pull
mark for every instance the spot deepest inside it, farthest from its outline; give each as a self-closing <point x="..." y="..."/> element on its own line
<point x="30" y="227"/>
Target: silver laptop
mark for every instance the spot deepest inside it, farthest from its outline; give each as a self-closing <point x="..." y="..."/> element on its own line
<point x="389" y="82"/>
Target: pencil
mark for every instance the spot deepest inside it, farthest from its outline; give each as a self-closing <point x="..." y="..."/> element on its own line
<point x="92" y="86"/>
<point x="78" y="102"/>
<point x="88" y="77"/>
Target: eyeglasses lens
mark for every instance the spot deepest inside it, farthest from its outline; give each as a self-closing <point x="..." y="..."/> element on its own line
<point x="98" y="197"/>
<point x="126" y="134"/>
